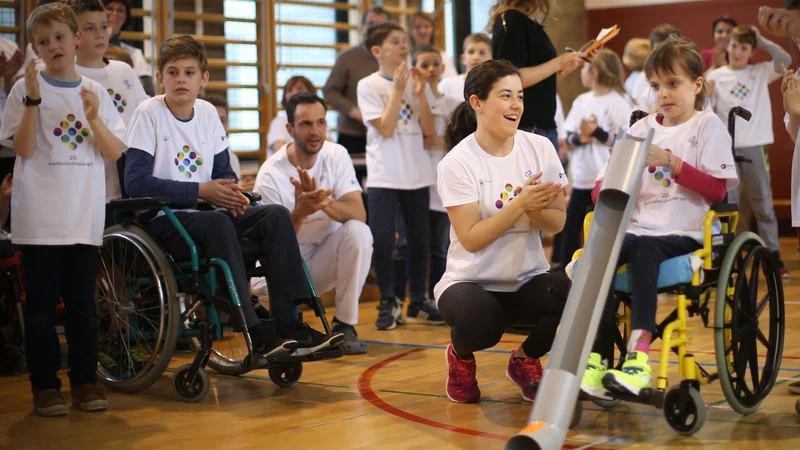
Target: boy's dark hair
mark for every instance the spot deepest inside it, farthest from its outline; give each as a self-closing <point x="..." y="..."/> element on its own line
<point x="479" y="82"/>
<point x="49" y="13"/>
<point x="374" y="10"/>
<point x="82" y="6"/>
<point x="421" y="50"/>
<point x="182" y="46"/>
<point x="378" y="33"/>
<point x="723" y="19"/>
<point x="476" y="38"/>
<point x="305" y="98"/>
<point x="216" y="101"/>
<point x="743" y="34"/>
<point x="677" y="53"/>
<point x="661" y="33"/>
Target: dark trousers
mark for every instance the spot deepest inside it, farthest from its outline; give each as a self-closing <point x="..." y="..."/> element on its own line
<point x="383" y="214"/>
<point x="645" y="254"/>
<point x="478" y="318"/>
<point x="68" y="272"/>
<point x="355" y="145"/>
<point x="217" y="235"/>
<point x="440" y="243"/>
<point x="572" y="234"/>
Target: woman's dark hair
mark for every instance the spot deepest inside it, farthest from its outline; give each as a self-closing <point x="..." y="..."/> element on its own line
<point x="724" y="19"/>
<point x="480" y="80"/>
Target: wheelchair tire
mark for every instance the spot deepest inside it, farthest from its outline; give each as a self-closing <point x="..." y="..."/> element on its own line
<point x="130" y="255"/>
<point x="736" y="323"/>
<point x="190" y="390"/>
<point x="286" y="374"/>
<point x="606" y="404"/>
<point x="797" y="407"/>
<point x="577" y="413"/>
<point x="686" y="420"/>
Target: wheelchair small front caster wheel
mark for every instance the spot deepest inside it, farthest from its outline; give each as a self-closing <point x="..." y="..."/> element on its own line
<point x="605" y="404"/>
<point x="576" y="415"/>
<point x="688" y="418"/>
<point x="797" y="407"/>
<point x="286" y="374"/>
<point x="191" y="390"/>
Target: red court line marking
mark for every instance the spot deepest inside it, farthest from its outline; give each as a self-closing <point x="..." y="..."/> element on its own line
<point x="365" y="389"/>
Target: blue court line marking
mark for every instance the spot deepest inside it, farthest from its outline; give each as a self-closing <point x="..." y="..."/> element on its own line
<point x="508" y="352"/>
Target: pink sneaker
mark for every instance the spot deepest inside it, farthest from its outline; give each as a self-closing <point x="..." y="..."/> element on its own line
<point x="523" y="372"/>
<point x="462" y="387"/>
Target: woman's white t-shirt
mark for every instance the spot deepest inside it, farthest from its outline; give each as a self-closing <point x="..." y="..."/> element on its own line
<point x="59" y="193"/>
<point x="663" y="207"/>
<point x="278" y="132"/>
<point x="612" y="112"/>
<point x="126" y="92"/>
<point x="467" y="175"/>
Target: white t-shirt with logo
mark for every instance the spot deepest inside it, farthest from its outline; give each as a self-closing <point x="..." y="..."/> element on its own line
<point x="182" y="150"/>
<point x="400" y="161"/>
<point x="749" y="88"/>
<point x="453" y="87"/>
<point x="59" y="193"/>
<point x="663" y="207"/>
<point x="126" y="92"/>
<point x="333" y="170"/>
<point x="278" y="132"/>
<point x="441" y="110"/>
<point x="468" y="174"/>
<point x="612" y="112"/>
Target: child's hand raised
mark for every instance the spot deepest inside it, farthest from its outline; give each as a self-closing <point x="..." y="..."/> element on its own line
<point x="401" y="77"/>
<point x="31" y="80"/>
<point x="418" y="81"/>
<point x="91" y="103"/>
<point x="790" y="88"/>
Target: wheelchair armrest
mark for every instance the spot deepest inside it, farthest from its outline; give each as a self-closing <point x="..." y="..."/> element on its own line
<point x="252" y="196"/>
<point x="139" y="203"/>
<point x="725" y="208"/>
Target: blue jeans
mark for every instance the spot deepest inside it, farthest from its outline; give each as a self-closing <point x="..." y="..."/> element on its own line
<point x="440" y="243"/>
<point x="383" y="213"/>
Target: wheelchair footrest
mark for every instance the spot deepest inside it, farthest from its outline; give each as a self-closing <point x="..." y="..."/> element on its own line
<point x="330" y="353"/>
<point x="652" y="397"/>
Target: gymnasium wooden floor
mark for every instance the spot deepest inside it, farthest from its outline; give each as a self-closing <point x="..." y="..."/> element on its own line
<point x="393" y="398"/>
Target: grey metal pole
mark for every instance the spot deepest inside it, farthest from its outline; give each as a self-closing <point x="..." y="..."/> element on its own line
<point x="558" y="392"/>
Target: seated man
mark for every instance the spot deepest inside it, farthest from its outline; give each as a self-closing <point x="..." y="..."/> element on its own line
<point x="334" y="238"/>
<point x="177" y="123"/>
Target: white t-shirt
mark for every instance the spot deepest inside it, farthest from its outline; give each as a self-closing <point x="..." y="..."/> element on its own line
<point x="126" y="92"/>
<point x="749" y="88"/>
<point x="664" y="207"/>
<point x="278" y="132"/>
<point x="441" y="109"/>
<point x="468" y="174"/>
<point x="559" y="118"/>
<point x="612" y="112"/>
<point x="59" y="193"/>
<point x="333" y="170"/>
<point x="182" y="150"/>
<point x="140" y="65"/>
<point x="795" y="177"/>
<point x="453" y="86"/>
<point x="630" y="82"/>
<point x="401" y="161"/>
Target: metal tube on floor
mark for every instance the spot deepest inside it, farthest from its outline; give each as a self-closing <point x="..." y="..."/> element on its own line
<point x="558" y="391"/>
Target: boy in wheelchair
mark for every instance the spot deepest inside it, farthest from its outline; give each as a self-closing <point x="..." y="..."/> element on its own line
<point x="179" y="149"/>
<point x="690" y="167"/>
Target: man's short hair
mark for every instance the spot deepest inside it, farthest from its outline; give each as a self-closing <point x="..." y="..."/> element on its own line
<point x="47" y="14"/>
<point x="182" y="46"/>
<point x="378" y="33"/>
<point x="374" y="10"/>
<point x="81" y="6"/>
<point x="303" y="98"/>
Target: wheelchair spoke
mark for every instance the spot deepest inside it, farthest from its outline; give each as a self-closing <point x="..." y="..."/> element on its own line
<point x="762" y="304"/>
<point x="761" y="338"/>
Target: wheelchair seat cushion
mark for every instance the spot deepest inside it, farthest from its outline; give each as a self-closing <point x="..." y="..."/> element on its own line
<point x="672" y="272"/>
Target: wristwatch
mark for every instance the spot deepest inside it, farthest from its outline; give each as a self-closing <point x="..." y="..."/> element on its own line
<point x="28" y="101"/>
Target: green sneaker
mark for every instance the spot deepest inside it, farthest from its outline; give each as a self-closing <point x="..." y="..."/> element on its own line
<point x="635" y="375"/>
<point x="592" y="384"/>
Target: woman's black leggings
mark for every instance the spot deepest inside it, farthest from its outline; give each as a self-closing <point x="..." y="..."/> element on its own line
<point x="478" y="318"/>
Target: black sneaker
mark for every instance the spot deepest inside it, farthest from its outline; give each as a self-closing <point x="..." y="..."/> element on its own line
<point x="389" y="312"/>
<point x="310" y="340"/>
<point x="351" y="344"/>
<point x="266" y="341"/>
<point x="424" y="312"/>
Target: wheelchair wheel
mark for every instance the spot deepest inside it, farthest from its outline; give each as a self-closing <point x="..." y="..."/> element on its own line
<point x="286" y="375"/>
<point x="191" y="390"/>
<point x="137" y="310"/>
<point x="577" y="413"/>
<point x="749" y="323"/>
<point x="606" y="404"/>
<point x="686" y="418"/>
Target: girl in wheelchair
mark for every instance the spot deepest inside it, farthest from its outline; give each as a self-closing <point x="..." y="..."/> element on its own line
<point x="689" y="168"/>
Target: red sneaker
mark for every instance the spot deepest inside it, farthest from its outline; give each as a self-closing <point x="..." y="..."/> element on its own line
<point x="462" y="386"/>
<point x="523" y="372"/>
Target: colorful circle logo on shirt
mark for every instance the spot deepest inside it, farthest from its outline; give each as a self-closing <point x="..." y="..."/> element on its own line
<point x="119" y="102"/>
<point x="406" y="113"/>
<point x="507" y="194"/>
<point x="187" y="162"/>
<point x="71" y="132"/>
<point x="662" y="174"/>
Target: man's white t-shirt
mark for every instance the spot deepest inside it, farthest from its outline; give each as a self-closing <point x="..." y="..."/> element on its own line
<point x="126" y="92"/>
<point x="663" y="207"/>
<point x="612" y="112"/>
<point x="182" y="150"/>
<point x="400" y="161"/>
<point x="749" y="88"/>
<point x="59" y="193"/>
<point x="333" y="170"/>
<point x="453" y="87"/>
<point x="467" y="175"/>
<point x="278" y="132"/>
<point x="441" y="110"/>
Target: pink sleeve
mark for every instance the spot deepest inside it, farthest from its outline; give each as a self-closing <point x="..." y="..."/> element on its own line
<point x="596" y="190"/>
<point x="711" y="189"/>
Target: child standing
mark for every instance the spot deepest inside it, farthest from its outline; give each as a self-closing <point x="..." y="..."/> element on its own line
<point x="690" y="168"/>
<point x="477" y="49"/>
<point x="63" y="127"/>
<point x="591" y="125"/>
<point x="740" y="83"/>
<point x="636" y="51"/>
<point x="397" y="115"/>
<point x="119" y="80"/>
